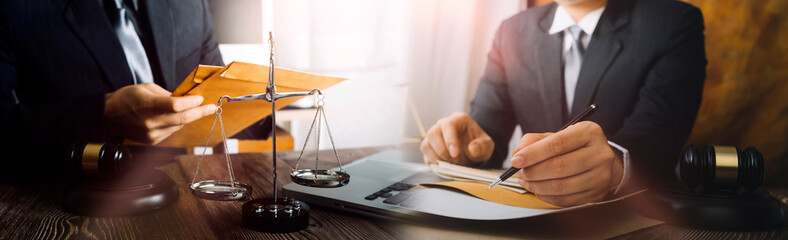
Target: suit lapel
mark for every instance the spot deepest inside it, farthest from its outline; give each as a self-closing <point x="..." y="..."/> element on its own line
<point x="163" y="28"/>
<point x="88" y="21"/>
<point x="549" y="58"/>
<point x="601" y="52"/>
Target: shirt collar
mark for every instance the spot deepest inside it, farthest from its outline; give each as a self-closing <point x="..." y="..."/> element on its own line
<point x="562" y="20"/>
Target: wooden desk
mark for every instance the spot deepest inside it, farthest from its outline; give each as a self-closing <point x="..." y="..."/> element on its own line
<point x="33" y="211"/>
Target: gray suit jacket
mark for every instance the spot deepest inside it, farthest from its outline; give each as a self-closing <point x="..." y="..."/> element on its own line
<point x="644" y="67"/>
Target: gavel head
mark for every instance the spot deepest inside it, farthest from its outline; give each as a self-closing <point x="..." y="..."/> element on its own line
<point x="98" y="160"/>
<point x="720" y="169"/>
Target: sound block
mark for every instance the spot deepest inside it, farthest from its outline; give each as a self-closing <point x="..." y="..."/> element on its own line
<point x="282" y="215"/>
<point x="126" y="196"/>
<point x="743" y="211"/>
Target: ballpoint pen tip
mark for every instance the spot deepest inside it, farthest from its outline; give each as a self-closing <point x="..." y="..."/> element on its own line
<point x="494" y="183"/>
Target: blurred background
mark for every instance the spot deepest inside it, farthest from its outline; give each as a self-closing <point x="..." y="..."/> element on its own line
<point x="434" y="51"/>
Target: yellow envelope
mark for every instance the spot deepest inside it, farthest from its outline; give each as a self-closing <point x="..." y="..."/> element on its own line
<point x="199" y="74"/>
<point x="507" y="196"/>
<point x="497" y="195"/>
<point x="235" y="80"/>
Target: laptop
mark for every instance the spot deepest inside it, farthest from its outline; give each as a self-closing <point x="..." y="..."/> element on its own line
<point x="386" y="185"/>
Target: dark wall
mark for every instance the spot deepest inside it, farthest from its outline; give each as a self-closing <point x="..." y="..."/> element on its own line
<point x="745" y="99"/>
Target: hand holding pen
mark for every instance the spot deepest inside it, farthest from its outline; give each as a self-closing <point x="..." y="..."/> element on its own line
<point x="572" y="166"/>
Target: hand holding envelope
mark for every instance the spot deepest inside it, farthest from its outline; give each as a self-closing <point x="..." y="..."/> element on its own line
<point x="148" y="114"/>
<point x="236" y="79"/>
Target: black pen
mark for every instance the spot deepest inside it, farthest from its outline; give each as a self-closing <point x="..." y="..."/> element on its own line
<point x="585" y="114"/>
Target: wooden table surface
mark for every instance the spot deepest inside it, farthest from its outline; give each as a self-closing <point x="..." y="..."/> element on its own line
<point x="33" y="211"/>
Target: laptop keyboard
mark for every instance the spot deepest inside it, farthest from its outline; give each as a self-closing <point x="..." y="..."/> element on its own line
<point x="397" y="199"/>
<point x="394" y="194"/>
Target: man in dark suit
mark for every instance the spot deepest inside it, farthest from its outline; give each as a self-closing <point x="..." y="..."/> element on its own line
<point x="641" y="61"/>
<point x="98" y="71"/>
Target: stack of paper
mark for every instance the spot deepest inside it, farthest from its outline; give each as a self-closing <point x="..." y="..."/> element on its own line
<point x="456" y="172"/>
<point x="235" y="80"/>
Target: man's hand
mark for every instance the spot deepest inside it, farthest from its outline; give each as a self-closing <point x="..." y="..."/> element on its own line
<point x="574" y="166"/>
<point x="457" y="139"/>
<point x="147" y="113"/>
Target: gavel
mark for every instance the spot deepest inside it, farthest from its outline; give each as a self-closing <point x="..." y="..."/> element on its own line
<point x="720" y="169"/>
<point x="98" y="160"/>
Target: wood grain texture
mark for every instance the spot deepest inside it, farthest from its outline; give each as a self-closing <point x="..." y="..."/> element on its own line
<point x="33" y="211"/>
<point x="674" y="232"/>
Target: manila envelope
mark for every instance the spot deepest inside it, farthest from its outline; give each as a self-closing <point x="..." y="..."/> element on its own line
<point x="235" y="80"/>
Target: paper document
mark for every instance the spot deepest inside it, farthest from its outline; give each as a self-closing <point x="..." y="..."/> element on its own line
<point x="474" y="182"/>
<point x="497" y="195"/>
<point x="456" y="172"/>
<point x="235" y="80"/>
<point x="447" y="203"/>
<point x="454" y="204"/>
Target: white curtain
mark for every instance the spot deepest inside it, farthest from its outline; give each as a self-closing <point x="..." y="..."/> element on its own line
<point x="449" y="45"/>
<point x="434" y="49"/>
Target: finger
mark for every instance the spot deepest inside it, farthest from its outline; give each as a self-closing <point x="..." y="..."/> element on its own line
<point x="435" y="139"/>
<point x="449" y="134"/>
<point x="526" y="140"/>
<point x="186" y="102"/>
<point x="185" y="117"/>
<point x="590" y="180"/>
<point x="151" y="136"/>
<point x="155" y="89"/>
<point x="574" y="199"/>
<point x="562" y="166"/>
<point x="472" y="128"/>
<point x="481" y="148"/>
<point x="556" y="144"/>
<point x="158" y="135"/>
<point x="429" y="155"/>
<point x="168" y="104"/>
<point x="519" y="174"/>
<point x="530" y="138"/>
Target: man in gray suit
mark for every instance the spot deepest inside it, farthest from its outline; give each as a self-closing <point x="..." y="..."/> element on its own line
<point x="641" y="61"/>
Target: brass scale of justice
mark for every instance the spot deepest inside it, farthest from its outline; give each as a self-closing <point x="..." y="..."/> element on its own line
<point x="276" y="214"/>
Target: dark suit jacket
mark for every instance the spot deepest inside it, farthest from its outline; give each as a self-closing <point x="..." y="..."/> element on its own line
<point x="60" y="58"/>
<point x="644" y="67"/>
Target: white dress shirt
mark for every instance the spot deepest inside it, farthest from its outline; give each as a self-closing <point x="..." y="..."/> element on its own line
<point x="561" y="23"/>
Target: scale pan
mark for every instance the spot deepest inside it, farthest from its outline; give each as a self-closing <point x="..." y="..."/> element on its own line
<point x="221" y="190"/>
<point x="320" y="178"/>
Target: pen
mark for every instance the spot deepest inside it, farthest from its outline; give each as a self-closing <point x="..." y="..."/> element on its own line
<point x="585" y="114"/>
